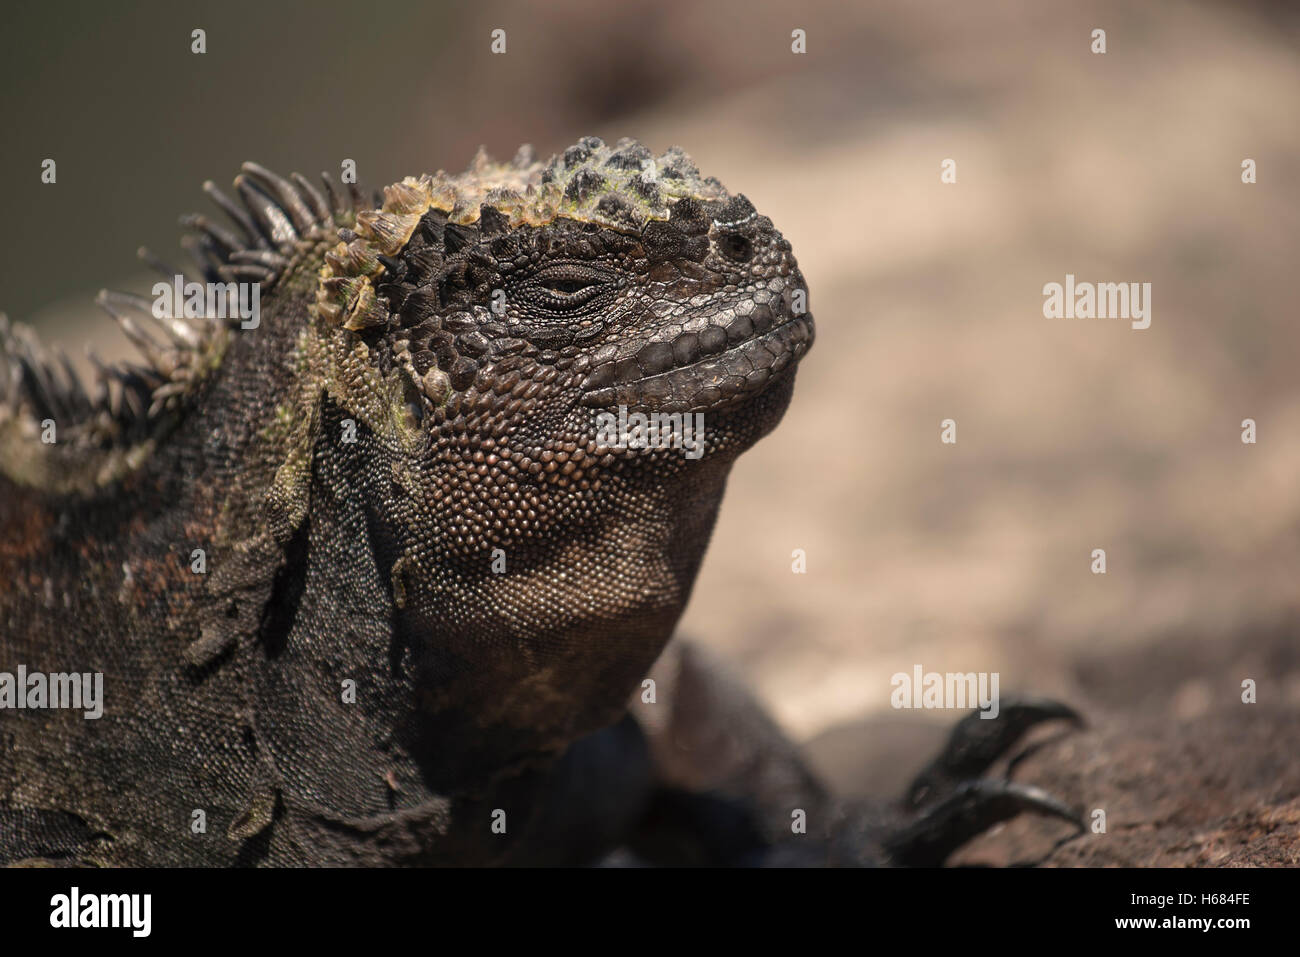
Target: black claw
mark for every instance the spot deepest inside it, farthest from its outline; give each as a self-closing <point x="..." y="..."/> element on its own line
<point x="976" y="742"/>
<point x="973" y="808"/>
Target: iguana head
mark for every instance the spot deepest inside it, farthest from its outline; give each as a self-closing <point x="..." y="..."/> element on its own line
<point x="519" y="307"/>
<point x="495" y="329"/>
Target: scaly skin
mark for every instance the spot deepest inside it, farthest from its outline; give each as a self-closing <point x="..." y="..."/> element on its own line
<point x="417" y="404"/>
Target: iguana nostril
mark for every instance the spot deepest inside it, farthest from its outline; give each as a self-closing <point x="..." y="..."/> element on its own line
<point x="736" y="247"/>
<point x="712" y="340"/>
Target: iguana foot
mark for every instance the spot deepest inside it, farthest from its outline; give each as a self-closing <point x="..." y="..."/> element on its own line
<point x="969" y="811"/>
<point x="955" y="805"/>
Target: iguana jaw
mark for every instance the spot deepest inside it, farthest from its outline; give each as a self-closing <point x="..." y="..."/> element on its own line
<point x="693" y="376"/>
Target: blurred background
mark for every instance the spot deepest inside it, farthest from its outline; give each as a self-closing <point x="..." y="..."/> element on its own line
<point x="1072" y="434"/>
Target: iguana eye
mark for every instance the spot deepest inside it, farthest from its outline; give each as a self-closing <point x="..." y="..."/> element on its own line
<point x="567" y="287"/>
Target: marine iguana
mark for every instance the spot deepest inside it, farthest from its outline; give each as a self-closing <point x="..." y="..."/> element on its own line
<point x="365" y="585"/>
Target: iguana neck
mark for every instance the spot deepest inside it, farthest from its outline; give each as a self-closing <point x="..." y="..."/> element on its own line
<point x="445" y="682"/>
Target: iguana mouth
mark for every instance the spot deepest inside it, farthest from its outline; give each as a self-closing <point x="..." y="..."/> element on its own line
<point x="706" y="370"/>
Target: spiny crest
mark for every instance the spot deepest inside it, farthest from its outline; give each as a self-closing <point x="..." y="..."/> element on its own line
<point x="273" y="222"/>
<point x="276" y="220"/>
<point x="623" y="187"/>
